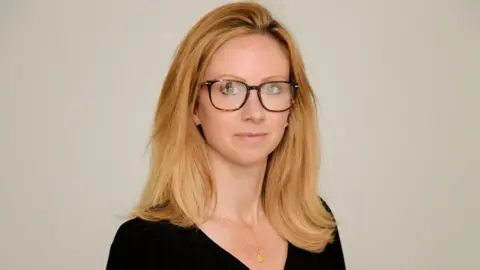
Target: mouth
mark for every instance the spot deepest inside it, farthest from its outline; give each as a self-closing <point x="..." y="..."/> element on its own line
<point x="251" y="135"/>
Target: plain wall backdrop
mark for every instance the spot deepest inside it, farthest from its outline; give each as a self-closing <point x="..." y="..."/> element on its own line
<point x="398" y="90"/>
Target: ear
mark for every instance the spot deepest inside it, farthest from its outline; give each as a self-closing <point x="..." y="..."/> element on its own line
<point x="196" y="119"/>
<point x="289" y="118"/>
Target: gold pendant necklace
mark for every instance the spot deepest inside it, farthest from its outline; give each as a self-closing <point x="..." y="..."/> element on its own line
<point x="259" y="256"/>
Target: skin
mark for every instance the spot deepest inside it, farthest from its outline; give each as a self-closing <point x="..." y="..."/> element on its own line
<point x="238" y="162"/>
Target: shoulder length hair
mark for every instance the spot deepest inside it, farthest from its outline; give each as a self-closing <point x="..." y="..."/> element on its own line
<point x="180" y="187"/>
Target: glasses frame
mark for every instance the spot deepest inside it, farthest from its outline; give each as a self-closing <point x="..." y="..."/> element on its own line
<point x="209" y="84"/>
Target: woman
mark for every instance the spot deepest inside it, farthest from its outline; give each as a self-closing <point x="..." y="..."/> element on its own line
<point x="234" y="158"/>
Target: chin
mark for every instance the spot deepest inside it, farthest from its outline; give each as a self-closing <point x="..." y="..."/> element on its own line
<point x="241" y="157"/>
<point x="250" y="163"/>
<point x="249" y="159"/>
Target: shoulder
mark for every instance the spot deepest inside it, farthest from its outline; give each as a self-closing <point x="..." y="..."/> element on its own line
<point x="325" y="204"/>
<point x="331" y="257"/>
<point x="334" y="249"/>
<point x="141" y="244"/>
<point x="139" y="229"/>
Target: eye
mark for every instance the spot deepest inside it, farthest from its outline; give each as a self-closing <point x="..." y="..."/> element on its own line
<point x="229" y="88"/>
<point x="272" y="88"/>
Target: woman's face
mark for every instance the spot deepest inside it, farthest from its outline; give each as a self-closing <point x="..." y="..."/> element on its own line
<point x="246" y="136"/>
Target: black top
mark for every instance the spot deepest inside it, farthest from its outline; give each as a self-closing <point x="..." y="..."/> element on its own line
<point x="146" y="245"/>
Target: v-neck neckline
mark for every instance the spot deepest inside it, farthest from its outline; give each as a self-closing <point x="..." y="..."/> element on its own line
<point x="232" y="257"/>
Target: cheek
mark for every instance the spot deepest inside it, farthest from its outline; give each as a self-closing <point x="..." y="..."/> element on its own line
<point x="279" y="120"/>
<point x="212" y="121"/>
<point x="213" y="125"/>
<point x="204" y="110"/>
<point x="278" y="126"/>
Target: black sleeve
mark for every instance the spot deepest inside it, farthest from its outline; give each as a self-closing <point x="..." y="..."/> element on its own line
<point x="132" y="248"/>
<point x="334" y="249"/>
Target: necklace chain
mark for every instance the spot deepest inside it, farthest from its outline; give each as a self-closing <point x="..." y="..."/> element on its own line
<point x="260" y="257"/>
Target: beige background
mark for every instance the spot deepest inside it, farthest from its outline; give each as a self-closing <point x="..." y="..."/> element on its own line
<point x="398" y="85"/>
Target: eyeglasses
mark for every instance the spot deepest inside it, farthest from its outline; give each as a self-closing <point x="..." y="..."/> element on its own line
<point x="231" y="95"/>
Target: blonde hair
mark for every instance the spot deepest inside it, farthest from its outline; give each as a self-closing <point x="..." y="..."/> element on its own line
<point x="180" y="187"/>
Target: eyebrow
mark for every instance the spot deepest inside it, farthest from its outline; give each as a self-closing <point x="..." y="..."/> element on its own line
<point x="269" y="78"/>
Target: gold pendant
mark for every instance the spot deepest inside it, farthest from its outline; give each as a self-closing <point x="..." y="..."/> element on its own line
<point x="259" y="257"/>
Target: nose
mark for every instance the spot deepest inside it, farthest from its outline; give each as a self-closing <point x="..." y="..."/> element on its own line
<point x="253" y="110"/>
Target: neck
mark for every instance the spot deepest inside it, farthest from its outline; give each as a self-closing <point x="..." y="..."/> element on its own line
<point x="239" y="191"/>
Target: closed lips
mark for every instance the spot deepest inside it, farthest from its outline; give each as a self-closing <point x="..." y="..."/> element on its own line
<point x="251" y="134"/>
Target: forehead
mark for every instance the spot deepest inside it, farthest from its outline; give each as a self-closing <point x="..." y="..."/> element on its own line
<point x="252" y="58"/>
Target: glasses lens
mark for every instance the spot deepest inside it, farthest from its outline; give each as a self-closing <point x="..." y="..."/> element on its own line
<point x="277" y="96"/>
<point x="228" y="95"/>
